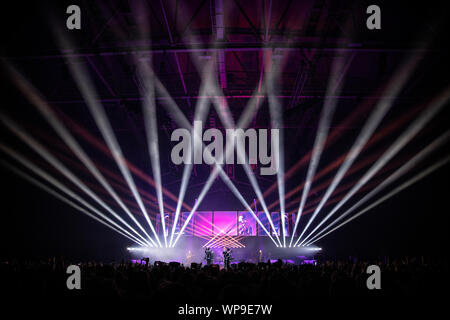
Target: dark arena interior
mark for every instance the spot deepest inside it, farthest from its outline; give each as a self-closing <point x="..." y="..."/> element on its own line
<point x="205" y="151"/>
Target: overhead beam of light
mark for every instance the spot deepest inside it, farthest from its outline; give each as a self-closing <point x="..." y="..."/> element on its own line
<point x="150" y="116"/>
<point x="393" y="89"/>
<point x="276" y="116"/>
<point x="403" y="186"/>
<point x="46" y="111"/>
<point x="89" y="94"/>
<point x="201" y="110"/>
<point x="224" y="114"/>
<point x="378" y="136"/>
<point x="147" y="88"/>
<point x="47" y="177"/>
<point x="64" y="199"/>
<point x="218" y="170"/>
<point x="444" y="138"/>
<point x="221" y="107"/>
<point x="183" y="187"/>
<point x="334" y="85"/>
<point x="434" y="107"/>
<point x="183" y="122"/>
<point x="335" y="134"/>
<point x="103" y="148"/>
<point x="38" y="148"/>
<point x="326" y="183"/>
<point x="139" y="9"/>
<point x="119" y="184"/>
<point x="311" y="206"/>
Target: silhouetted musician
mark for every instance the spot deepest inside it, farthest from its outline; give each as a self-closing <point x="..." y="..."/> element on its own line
<point x="227" y="257"/>
<point x="208" y="256"/>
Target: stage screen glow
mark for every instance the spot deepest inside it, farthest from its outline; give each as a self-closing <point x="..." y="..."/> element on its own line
<point x="225" y="222"/>
<point x="233" y="223"/>
<point x="286" y="224"/>
<point x="293" y="218"/>
<point x="158" y="225"/>
<point x="203" y="223"/>
<point x="168" y="217"/>
<point x="179" y="224"/>
<point x="263" y="218"/>
<point x="276" y="223"/>
<point x="276" y="217"/>
<point x="190" y="226"/>
<point x="246" y="224"/>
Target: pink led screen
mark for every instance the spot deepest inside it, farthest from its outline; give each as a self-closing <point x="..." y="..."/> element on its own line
<point x="225" y="222"/>
<point x="203" y="223"/>
<point x="246" y="224"/>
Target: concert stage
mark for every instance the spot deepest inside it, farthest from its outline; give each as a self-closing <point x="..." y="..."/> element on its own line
<point x="255" y="249"/>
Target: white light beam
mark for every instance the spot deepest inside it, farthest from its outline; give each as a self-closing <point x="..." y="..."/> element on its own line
<point x="435" y="106"/>
<point x="334" y="85"/>
<point x="405" y="185"/>
<point x="393" y="89"/>
<point x="89" y="94"/>
<point x="47" y="112"/>
<point x="64" y="199"/>
<point x="21" y="159"/>
<point x="389" y="180"/>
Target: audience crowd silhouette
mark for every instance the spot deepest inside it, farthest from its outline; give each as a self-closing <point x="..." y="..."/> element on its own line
<point x="242" y="282"/>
